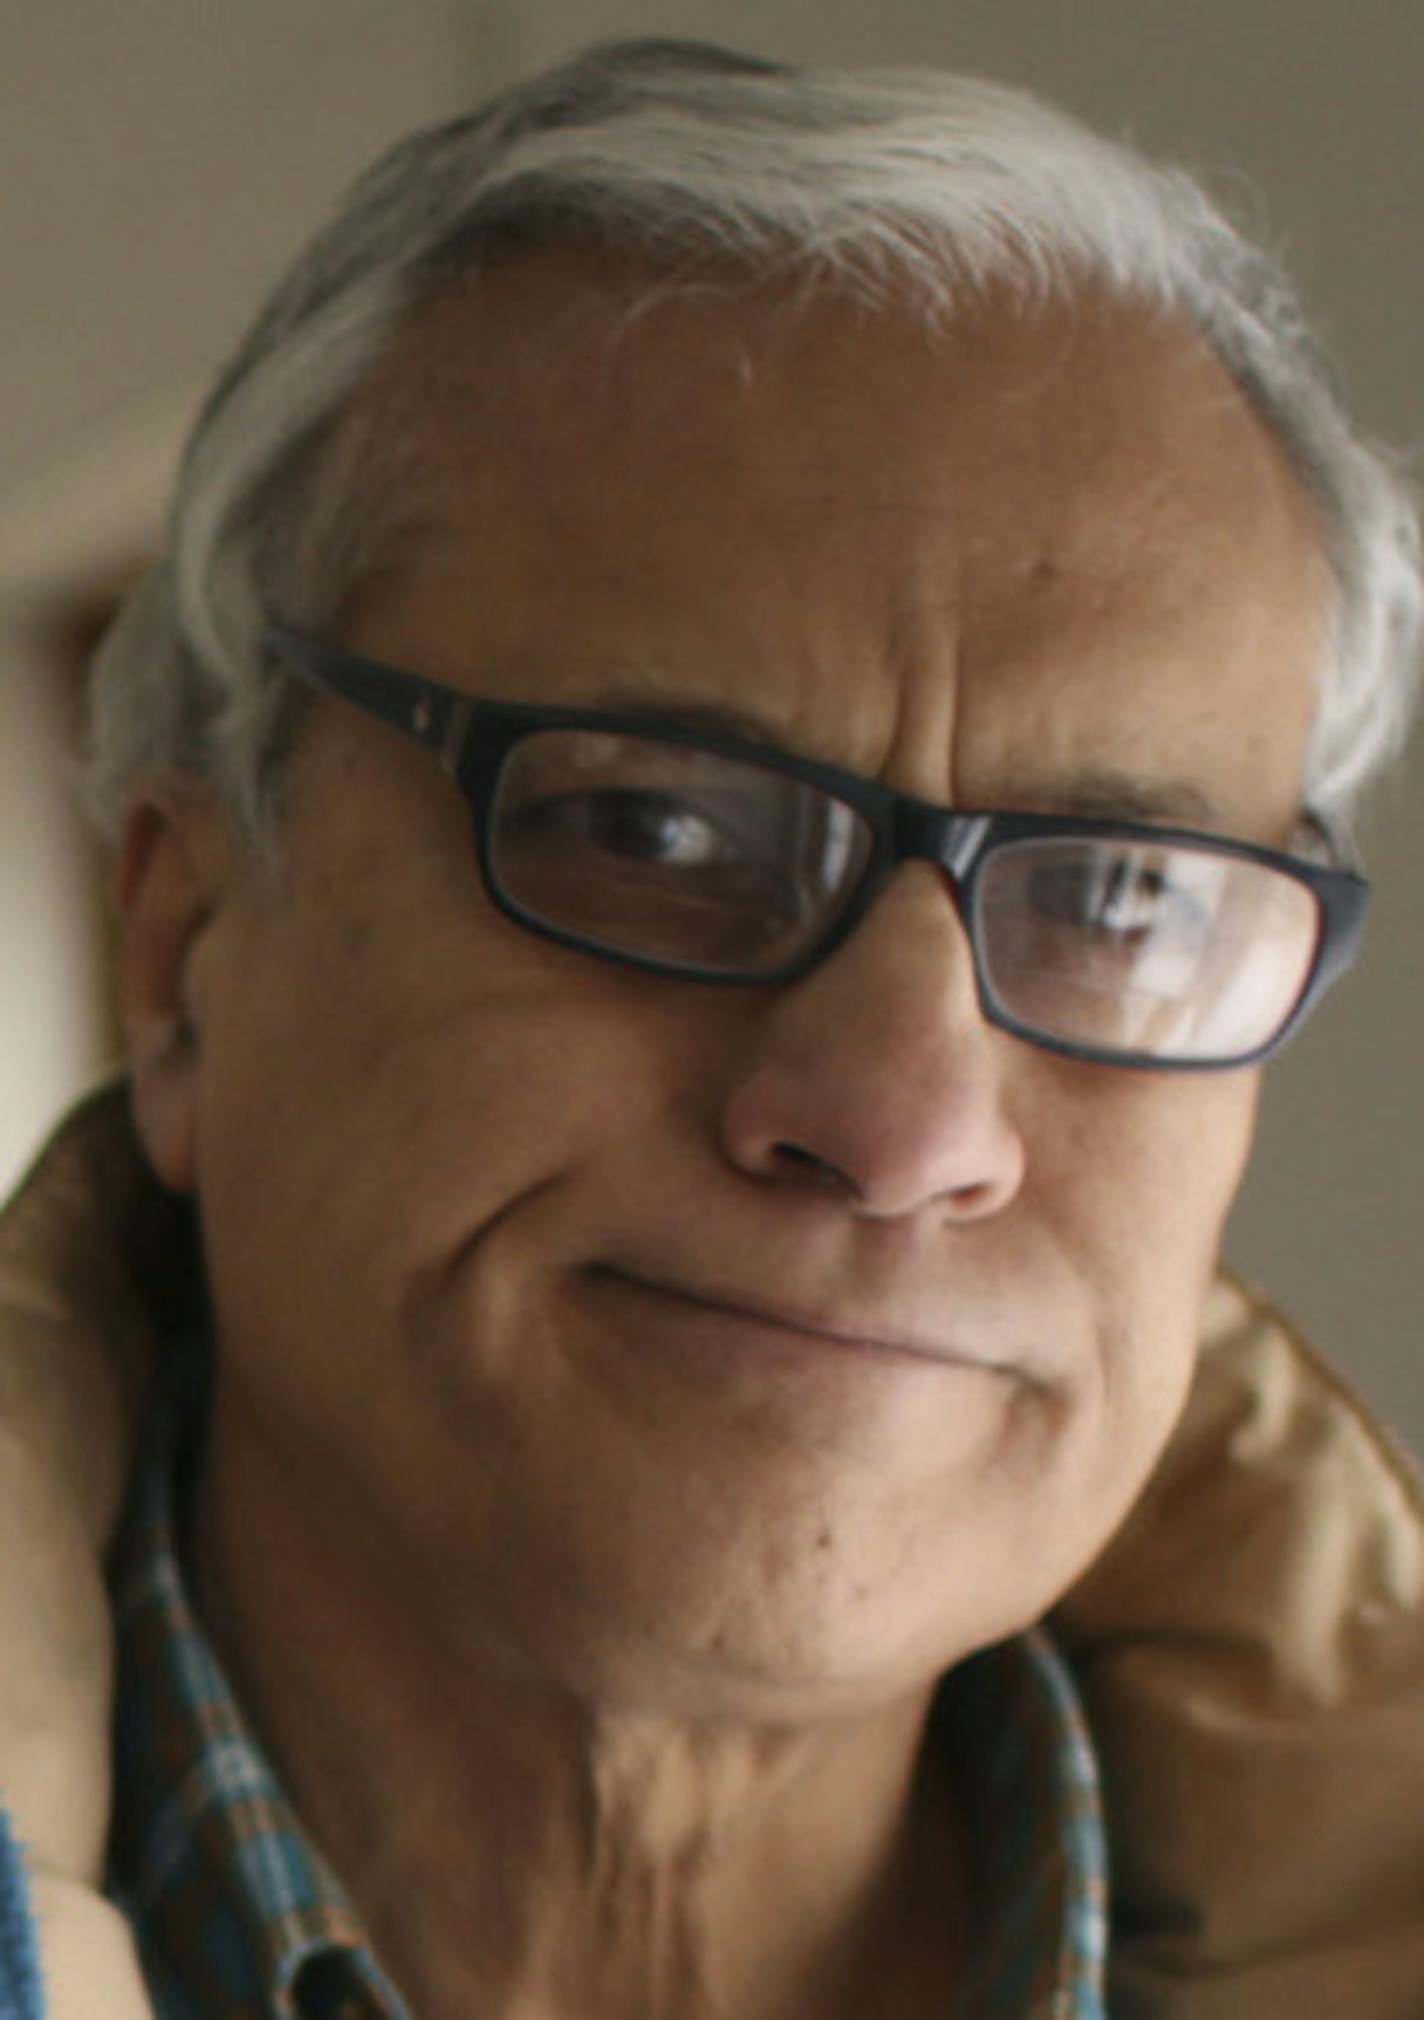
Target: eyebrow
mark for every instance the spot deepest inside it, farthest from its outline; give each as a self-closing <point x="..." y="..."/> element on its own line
<point x="712" y="718"/>
<point x="1099" y="793"/>
<point x="1107" y="795"/>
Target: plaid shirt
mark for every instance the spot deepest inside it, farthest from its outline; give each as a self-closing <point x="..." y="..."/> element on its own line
<point x="238" y="1918"/>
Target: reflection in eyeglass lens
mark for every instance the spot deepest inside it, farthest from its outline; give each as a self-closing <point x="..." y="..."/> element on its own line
<point x="1166" y="950"/>
<point x="672" y="852"/>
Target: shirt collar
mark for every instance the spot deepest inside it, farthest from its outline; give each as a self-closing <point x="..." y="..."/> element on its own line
<point x="232" y="1902"/>
<point x="1013" y="1726"/>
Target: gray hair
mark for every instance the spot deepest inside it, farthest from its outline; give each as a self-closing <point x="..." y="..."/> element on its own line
<point x="291" y="497"/>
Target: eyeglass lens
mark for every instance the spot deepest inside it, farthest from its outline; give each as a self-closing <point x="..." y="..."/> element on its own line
<point x="670" y="852"/>
<point x="1158" y="949"/>
<point x="673" y="854"/>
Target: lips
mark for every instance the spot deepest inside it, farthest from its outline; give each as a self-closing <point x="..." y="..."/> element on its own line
<point x="837" y="1329"/>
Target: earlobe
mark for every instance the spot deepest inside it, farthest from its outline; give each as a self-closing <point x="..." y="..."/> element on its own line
<point x="168" y="889"/>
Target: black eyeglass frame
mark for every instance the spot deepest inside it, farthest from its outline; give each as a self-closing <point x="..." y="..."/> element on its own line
<point x="442" y="720"/>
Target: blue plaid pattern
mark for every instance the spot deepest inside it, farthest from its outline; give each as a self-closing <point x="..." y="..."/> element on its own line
<point x="1028" y="1777"/>
<point x="21" y="1990"/>
<point x="238" y="1918"/>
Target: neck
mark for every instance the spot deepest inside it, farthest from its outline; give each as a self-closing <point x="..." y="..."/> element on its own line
<point x="536" y="1851"/>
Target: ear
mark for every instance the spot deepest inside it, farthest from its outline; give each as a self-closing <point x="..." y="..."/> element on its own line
<point x="172" y="875"/>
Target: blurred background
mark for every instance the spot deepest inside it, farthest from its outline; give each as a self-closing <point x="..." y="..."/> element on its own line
<point x="159" y="161"/>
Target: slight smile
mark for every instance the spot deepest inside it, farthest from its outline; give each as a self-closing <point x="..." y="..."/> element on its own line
<point x="854" y="1337"/>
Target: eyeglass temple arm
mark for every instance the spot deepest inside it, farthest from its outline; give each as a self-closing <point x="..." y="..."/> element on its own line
<point x="433" y="716"/>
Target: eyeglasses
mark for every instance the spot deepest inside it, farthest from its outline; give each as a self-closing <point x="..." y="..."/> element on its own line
<point x="711" y="858"/>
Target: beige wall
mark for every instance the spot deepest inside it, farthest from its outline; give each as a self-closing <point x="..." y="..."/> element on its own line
<point x="159" y="160"/>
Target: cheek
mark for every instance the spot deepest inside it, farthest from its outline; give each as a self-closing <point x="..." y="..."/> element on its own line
<point x="1142" y="1199"/>
<point x="380" y="1086"/>
<point x="1186" y="1158"/>
<point x="1129" y="1181"/>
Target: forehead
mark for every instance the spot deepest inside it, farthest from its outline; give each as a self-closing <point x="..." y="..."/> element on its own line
<point x="905" y="547"/>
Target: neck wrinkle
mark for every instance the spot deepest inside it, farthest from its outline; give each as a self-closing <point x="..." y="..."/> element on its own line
<point x="525" y="1853"/>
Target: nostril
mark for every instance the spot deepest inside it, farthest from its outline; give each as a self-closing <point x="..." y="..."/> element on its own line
<point x="973" y="1202"/>
<point x="821" y="1168"/>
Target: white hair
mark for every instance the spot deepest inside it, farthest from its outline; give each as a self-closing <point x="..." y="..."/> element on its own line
<point x="294" y="494"/>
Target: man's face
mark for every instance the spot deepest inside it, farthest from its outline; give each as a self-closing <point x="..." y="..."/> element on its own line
<point x="743" y="1346"/>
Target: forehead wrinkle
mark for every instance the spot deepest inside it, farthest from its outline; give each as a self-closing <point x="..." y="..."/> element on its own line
<point x="1089" y="793"/>
<point x="846" y="636"/>
<point x="778" y="718"/>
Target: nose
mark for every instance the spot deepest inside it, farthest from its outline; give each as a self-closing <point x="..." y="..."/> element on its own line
<point x="876" y="1076"/>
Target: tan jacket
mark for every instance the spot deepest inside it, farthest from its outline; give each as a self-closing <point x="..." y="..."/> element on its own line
<point x="1251" y="1646"/>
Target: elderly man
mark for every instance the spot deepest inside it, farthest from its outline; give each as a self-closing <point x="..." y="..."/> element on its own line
<point x="728" y="775"/>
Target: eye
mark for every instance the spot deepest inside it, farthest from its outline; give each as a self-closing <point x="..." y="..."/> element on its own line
<point x="658" y="829"/>
<point x="1118" y="896"/>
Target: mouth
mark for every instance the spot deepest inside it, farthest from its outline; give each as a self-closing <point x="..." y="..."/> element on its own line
<point x="833" y="1332"/>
